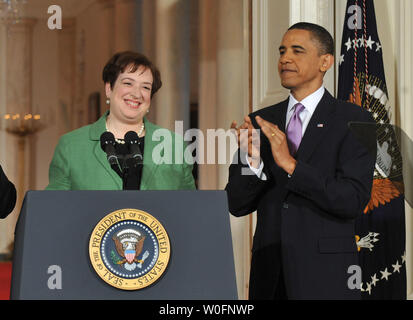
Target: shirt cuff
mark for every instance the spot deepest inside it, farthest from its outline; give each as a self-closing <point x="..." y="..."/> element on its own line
<point x="258" y="171"/>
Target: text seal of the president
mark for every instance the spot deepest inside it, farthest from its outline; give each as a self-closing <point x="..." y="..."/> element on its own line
<point x="129" y="249"/>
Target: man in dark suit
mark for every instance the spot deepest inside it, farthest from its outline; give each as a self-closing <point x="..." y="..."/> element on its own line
<point x="7" y="195"/>
<point x="308" y="180"/>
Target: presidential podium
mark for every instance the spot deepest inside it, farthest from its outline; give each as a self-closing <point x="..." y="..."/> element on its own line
<point x="86" y="245"/>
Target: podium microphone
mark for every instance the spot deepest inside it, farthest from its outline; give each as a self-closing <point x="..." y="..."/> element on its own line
<point x="131" y="139"/>
<point x="107" y="143"/>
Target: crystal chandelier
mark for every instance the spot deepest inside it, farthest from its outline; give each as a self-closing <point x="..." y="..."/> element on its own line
<point x="11" y="10"/>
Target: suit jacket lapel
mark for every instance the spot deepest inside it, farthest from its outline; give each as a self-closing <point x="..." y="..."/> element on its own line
<point x="319" y="124"/>
<point x="280" y="115"/>
<point x="276" y="116"/>
<point x="95" y="132"/>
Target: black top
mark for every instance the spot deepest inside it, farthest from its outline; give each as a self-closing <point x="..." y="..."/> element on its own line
<point x="7" y="195"/>
<point x="133" y="175"/>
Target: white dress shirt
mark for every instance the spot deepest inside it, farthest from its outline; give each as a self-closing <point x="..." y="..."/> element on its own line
<point x="310" y="104"/>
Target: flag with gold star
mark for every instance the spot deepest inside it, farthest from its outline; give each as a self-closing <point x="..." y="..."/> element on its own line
<point x="380" y="230"/>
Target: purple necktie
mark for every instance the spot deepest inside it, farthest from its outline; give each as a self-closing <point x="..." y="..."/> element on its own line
<point x="295" y="129"/>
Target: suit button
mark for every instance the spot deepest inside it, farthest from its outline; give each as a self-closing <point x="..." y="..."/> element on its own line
<point x="285" y="205"/>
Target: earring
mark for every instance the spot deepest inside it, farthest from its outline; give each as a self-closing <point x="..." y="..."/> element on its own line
<point x="107" y="101"/>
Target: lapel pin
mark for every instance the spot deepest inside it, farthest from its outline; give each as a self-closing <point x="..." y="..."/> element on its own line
<point x="320" y="125"/>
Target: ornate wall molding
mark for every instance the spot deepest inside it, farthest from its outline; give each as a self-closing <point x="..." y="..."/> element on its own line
<point x="3" y="90"/>
<point x="223" y="97"/>
<point x="316" y="11"/>
<point x="321" y="12"/>
<point x="269" y="21"/>
<point x="5" y="234"/>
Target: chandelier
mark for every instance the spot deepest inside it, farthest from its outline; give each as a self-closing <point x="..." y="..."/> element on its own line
<point x="11" y="10"/>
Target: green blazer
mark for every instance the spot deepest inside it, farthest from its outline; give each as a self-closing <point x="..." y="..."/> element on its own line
<point x="79" y="163"/>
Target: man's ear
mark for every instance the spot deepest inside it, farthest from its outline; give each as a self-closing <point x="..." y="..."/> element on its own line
<point x="327" y="60"/>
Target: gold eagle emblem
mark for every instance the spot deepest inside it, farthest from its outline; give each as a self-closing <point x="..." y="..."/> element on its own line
<point x="129" y="245"/>
<point x="382" y="192"/>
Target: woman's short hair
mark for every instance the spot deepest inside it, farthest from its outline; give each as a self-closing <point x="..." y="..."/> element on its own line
<point x="121" y="60"/>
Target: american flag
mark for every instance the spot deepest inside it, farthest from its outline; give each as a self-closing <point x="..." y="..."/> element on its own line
<point x="380" y="230"/>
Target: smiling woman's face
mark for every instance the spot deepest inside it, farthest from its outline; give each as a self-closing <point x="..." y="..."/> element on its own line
<point x="130" y="97"/>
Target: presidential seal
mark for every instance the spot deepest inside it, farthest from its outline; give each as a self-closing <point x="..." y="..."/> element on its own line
<point x="129" y="249"/>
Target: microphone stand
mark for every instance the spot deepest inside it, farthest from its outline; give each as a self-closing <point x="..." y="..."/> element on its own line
<point x="124" y="177"/>
<point x="125" y="170"/>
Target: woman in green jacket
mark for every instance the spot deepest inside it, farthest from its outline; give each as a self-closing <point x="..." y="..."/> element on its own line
<point x="80" y="163"/>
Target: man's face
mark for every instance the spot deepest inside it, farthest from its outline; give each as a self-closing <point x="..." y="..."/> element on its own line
<point x="300" y="66"/>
